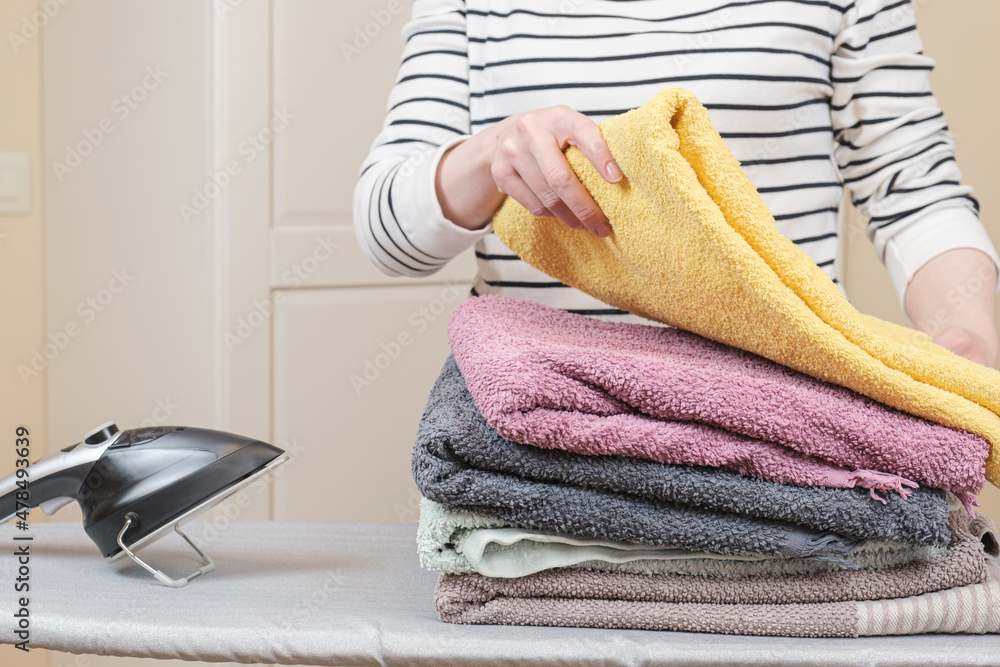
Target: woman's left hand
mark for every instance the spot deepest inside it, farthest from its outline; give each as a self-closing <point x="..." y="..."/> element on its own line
<point x="952" y="298"/>
<point x="980" y="348"/>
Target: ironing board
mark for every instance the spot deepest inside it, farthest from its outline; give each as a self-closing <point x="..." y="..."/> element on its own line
<point x="353" y="594"/>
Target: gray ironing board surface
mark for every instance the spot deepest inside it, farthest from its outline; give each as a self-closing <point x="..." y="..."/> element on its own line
<point x="353" y="594"/>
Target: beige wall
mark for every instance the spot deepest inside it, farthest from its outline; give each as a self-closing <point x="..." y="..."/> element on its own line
<point x="22" y="261"/>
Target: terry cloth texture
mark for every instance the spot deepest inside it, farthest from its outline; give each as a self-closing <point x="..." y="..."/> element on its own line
<point x="513" y="552"/>
<point x="553" y="379"/>
<point x="823" y="604"/>
<point x="694" y="246"/>
<point x="600" y="514"/>
<point x="444" y="536"/>
<point x="452" y="424"/>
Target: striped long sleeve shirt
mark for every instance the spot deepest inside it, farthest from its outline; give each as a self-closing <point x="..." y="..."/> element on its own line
<point x="811" y="96"/>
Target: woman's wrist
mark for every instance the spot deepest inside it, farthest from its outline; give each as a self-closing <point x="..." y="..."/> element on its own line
<point x="464" y="183"/>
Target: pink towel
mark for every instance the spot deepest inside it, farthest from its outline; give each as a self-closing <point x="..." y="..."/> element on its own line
<point x="554" y="379"/>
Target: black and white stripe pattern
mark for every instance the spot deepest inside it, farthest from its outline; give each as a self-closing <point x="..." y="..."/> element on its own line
<point x="810" y="95"/>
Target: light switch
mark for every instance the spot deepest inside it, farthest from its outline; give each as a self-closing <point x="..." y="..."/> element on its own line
<point x="8" y="184"/>
<point x="15" y="183"/>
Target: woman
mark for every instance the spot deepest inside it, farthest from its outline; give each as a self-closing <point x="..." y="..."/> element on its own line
<point x="811" y="96"/>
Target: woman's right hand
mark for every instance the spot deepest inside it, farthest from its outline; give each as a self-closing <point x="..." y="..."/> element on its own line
<point x="522" y="156"/>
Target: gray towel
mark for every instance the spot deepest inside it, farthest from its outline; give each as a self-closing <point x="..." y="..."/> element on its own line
<point x="457" y="452"/>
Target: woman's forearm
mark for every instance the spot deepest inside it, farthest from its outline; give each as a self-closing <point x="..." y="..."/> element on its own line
<point x="952" y="299"/>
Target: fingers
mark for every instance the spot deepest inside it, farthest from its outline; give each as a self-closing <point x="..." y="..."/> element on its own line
<point x="562" y="192"/>
<point x="511" y="182"/>
<point x="528" y="169"/>
<point x="516" y="173"/>
<point x="529" y="165"/>
<point x="584" y="133"/>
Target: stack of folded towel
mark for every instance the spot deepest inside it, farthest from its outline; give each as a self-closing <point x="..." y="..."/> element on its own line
<point x="580" y="472"/>
<point x="585" y="473"/>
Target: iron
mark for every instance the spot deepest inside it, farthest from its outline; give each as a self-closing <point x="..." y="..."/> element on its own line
<point x="135" y="486"/>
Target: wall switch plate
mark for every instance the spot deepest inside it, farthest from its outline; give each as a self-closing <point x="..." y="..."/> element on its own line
<point x="15" y="183"/>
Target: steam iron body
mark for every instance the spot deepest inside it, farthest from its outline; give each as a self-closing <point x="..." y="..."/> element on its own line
<point x="137" y="485"/>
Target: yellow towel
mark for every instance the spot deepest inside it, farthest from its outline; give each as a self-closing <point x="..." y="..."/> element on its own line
<point x="694" y="246"/>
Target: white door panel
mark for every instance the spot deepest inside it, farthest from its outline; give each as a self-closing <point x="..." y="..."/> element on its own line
<point x="125" y="140"/>
<point x="352" y="371"/>
<point x="329" y="256"/>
